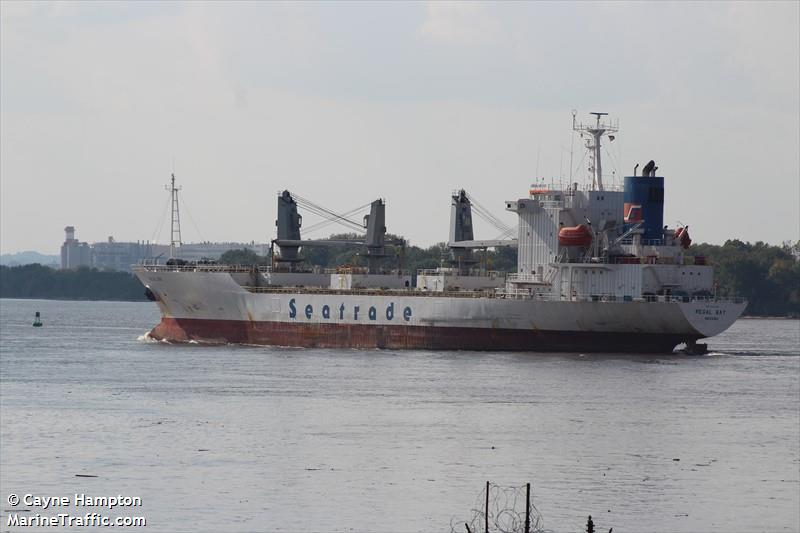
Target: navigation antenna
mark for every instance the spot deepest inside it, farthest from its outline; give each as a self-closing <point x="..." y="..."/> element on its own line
<point x="175" y="226"/>
<point x="596" y="132"/>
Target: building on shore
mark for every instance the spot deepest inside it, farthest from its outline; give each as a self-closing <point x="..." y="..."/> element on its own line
<point x="113" y="255"/>
<point x="73" y="252"/>
<point x="116" y="255"/>
<point x="196" y="251"/>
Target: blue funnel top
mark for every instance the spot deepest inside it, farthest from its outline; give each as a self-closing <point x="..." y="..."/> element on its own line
<point x="644" y="202"/>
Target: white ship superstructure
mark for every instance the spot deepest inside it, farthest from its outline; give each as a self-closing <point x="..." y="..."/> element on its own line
<point x="596" y="271"/>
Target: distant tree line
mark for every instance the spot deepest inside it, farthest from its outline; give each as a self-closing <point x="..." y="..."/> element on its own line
<point x="412" y="258"/>
<point x="83" y="283"/>
<point x="768" y="276"/>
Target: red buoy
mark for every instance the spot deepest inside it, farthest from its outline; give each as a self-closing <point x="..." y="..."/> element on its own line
<point x="579" y="235"/>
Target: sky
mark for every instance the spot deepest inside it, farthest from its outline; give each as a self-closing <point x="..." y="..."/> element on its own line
<point x="344" y="103"/>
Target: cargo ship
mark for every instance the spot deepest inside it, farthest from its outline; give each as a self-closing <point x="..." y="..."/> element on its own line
<point x="597" y="271"/>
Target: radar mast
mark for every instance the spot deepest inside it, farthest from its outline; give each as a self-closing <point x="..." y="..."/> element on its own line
<point x="593" y="144"/>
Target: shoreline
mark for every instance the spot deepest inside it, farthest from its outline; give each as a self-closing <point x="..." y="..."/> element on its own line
<point x="771" y="317"/>
<point x="73" y="299"/>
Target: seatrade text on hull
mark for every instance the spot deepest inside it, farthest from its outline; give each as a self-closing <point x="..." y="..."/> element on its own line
<point x="597" y="270"/>
<point x="372" y="312"/>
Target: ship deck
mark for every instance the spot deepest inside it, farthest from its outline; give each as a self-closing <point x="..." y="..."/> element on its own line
<point x="499" y="293"/>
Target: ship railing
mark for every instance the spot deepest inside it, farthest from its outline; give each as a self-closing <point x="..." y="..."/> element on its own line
<point x="550" y="203"/>
<point x="614" y="298"/>
<point x="524" y="278"/>
<point x="698" y="260"/>
<point x="248" y="269"/>
<point x="490" y="273"/>
<point x="521" y="294"/>
<point x="437" y="271"/>
<point x="686" y="299"/>
<point x="546" y="279"/>
<point x="502" y="293"/>
<point x="347" y="270"/>
<point x="202" y="268"/>
<point x="411" y="291"/>
<point x="548" y="188"/>
<point x="455" y="272"/>
<point x="645" y="242"/>
<point x="587" y="262"/>
<point x="363" y="271"/>
<point x="609" y="298"/>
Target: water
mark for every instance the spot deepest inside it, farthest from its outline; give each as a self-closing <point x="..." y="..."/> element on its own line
<point x="264" y="439"/>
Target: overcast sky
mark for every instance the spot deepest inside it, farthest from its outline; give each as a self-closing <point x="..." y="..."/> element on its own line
<point x="347" y="102"/>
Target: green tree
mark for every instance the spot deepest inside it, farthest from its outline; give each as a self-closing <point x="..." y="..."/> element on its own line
<point x="767" y="276"/>
<point x="244" y="256"/>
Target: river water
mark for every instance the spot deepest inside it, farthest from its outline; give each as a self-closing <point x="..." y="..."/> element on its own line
<point x="274" y="439"/>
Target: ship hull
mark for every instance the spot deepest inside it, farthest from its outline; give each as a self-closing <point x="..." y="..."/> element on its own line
<point x="212" y="307"/>
<point x="206" y="331"/>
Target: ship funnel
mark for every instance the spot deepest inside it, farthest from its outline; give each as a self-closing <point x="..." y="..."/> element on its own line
<point x="644" y="202"/>
<point x="649" y="169"/>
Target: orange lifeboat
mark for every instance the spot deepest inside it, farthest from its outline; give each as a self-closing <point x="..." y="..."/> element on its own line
<point x="579" y="235"/>
<point x="682" y="236"/>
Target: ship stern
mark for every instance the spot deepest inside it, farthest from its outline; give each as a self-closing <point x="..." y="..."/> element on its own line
<point x="711" y="317"/>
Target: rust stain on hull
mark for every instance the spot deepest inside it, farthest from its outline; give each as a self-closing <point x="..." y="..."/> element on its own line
<point x="318" y="335"/>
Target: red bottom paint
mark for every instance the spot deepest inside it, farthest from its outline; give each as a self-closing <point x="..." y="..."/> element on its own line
<point x="409" y="337"/>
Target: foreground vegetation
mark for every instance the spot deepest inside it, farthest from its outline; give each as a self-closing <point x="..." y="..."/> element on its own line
<point x="768" y="276"/>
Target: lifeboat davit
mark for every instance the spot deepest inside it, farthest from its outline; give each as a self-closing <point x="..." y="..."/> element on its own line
<point x="579" y="235"/>
<point x="682" y="236"/>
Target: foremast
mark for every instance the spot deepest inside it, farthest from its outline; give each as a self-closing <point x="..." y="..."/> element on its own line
<point x="175" y="225"/>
